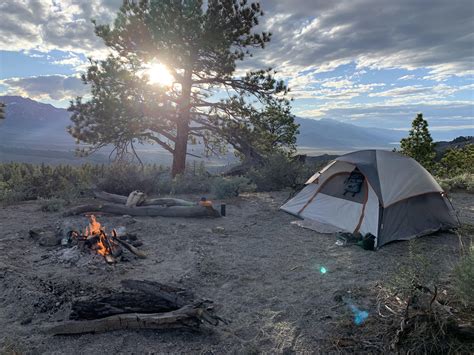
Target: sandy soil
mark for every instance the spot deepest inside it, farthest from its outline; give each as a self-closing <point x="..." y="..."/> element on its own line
<point x="263" y="273"/>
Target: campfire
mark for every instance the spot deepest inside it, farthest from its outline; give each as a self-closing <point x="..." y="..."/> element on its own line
<point x="109" y="245"/>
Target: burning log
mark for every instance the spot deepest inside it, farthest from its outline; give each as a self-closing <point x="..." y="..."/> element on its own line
<point x="148" y="305"/>
<point x="108" y="245"/>
<point x="119" y="199"/>
<point x="151" y="211"/>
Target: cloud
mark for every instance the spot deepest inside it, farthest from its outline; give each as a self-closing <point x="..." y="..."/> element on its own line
<point x="407" y="77"/>
<point x="45" y="25"/>
<point x="373" y="34"/>
<point x="307" y="34"/>
<point x="47" y="87"/>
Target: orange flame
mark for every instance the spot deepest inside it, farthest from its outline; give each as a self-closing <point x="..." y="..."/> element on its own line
<point x="95" y="228"/>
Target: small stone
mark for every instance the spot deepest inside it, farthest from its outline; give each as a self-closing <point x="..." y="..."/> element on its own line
<point x="57" y="304"/>
<point x="27" y="320"/>
<point x="218" y="230"/>
<point x="182" y="226"/>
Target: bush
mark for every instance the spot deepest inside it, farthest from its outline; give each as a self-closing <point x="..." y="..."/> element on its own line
<point x="227" y="187"/>
<point x="29" y="182"/>
<point x="464" y="270"/>
<point x="459" y="182"/>
<point x="20" y="182"/>
<point x="464" y="278"/>
<point x="458" y="161"/>
<point x="52" y="204"/>
<point x="122" y="178"/>
<point x="416" y="271"/>
<point x="279" y="172"/>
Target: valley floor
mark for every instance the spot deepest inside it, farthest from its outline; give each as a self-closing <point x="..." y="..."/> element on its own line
<point x="263" y="273"/>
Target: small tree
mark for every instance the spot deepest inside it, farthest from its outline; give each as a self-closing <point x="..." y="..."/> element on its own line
<point x="419" y="144"/>
<point x="458" y="161"/>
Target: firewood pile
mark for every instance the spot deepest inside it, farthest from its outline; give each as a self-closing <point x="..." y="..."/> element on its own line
<point x="137" y="305"/>
<point x="138" y="204"/>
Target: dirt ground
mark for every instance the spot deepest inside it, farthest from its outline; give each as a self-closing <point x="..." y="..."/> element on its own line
<point x="263" y="273"/>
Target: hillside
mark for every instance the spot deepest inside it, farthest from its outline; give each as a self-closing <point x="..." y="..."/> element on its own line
<point x="34" y="131"/>
<point x="332" y="134"/>
<point x="37" y="123"/>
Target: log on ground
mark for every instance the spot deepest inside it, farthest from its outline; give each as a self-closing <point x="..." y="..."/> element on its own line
<point x="186" y="317"/>
<point x="139" y="297"/>
<point x="119" y="199"/>
<point x="151" y="211"/>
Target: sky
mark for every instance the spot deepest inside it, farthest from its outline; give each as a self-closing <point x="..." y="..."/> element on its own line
<point x="368" y="62"/>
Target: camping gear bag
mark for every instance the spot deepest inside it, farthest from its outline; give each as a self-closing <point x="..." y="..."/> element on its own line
<point x="353" y="183"/>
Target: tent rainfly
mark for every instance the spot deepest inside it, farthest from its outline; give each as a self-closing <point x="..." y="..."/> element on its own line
<point x="383" y="193"/>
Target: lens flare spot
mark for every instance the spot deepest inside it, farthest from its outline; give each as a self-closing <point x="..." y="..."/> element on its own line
<point x="359" y="315"/>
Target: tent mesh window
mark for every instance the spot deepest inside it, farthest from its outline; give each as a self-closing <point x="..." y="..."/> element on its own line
<point x="354" y="183"/>
<point x="336" y="187"/>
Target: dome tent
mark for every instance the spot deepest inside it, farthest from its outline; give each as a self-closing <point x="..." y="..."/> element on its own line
<point x="383" y="193"/>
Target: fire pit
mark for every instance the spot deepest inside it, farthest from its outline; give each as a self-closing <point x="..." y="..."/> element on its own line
<point x="96" y="239"/>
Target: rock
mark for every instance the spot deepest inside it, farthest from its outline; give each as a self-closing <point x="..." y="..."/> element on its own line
<point x="47" y="238"/>
<point x="26" y="320"/>
<point x="218" y="230"/>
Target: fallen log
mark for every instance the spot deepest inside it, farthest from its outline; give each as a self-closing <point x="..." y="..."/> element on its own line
<point x="151" y="211"/>
<point x="143" y="305"/>
<point x="119" y="199"/>
<point x="140" y="297"/>
<point x="190" y="316"/>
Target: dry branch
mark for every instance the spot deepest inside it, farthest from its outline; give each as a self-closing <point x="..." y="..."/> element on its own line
<point x="152" y="211"/>
<point x="188" y="316"/>
<point x="131" y="248"/>
<point x="119" y="199"/>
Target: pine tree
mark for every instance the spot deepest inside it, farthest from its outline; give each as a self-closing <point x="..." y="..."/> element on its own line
<point x="200" y="45"/>
<point x="419" y="144"/>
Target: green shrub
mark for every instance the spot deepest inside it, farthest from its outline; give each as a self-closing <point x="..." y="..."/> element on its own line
<point x="416" y="270"/>
<point x="52" y="204"/>
<point x="122" y="178"/>
<point x="191" y="182"/>
<point x="21" y="181"/>
<point x="279" y="172"/>
<point x="228" y="187"/>
<point x="464" y="278"/>
<point x="459" y="182"/>
<point x="457" y="161"/>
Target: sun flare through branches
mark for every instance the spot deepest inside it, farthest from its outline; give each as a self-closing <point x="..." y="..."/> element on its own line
<point x="158" y="74"/>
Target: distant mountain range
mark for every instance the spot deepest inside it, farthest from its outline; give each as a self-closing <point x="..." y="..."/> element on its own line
<point x="39" y="130"/>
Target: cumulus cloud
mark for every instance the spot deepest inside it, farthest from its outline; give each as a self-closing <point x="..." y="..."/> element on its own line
<point x="53" y="87"/>
<point x="307" y="34"/>
<point x="372" y="33"/>
<point x="45" y="25"/>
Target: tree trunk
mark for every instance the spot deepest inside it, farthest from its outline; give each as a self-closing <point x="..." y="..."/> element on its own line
<point x="182" y="127"/>
<point x="181" y="146"/>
